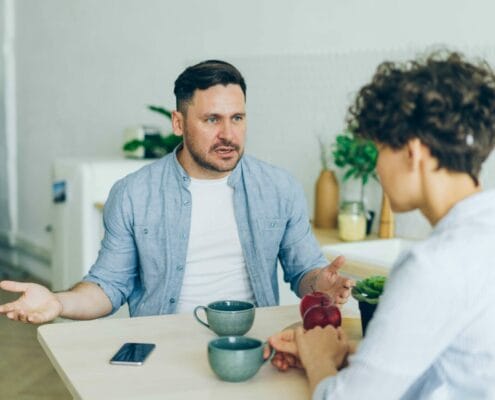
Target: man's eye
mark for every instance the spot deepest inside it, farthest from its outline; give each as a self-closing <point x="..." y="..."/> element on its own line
<point x="238" y="118"/>
<point x="211" y="120"/>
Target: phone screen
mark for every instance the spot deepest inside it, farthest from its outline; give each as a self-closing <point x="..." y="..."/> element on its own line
<point x="132" y="353"/>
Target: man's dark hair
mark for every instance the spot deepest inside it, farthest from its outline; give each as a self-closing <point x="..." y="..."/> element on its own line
<point x="445" y="101"/>
<point x="202" y="76"/>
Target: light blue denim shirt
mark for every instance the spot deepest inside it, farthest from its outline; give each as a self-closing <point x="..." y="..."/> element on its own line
<point x="147" y="218"/>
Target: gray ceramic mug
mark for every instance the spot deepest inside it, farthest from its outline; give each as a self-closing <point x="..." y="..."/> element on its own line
<point x="236" y="358"/>
<point x="227" y="317"/>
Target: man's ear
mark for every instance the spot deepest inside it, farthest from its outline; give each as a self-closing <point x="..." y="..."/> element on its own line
<point x="178" y="122"/>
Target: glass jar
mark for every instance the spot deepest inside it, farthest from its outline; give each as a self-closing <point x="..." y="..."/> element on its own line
<point x="352" y="221"/>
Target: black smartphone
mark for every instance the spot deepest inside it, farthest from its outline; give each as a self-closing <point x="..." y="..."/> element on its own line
<point x="132" y="354"/>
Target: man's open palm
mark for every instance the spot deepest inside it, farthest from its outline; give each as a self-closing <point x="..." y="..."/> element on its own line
<point x="36" y="305"/>
<point x="330" y="281"/>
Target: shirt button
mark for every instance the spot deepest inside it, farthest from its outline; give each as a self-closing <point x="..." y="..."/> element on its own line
<point x="145" y="231"/>
<point x="180" y="267"/>
<point x="184" y="178"/>
<point x="172" y="300"/>
<point x="186" y="202"/>
<point x="183" y="236"/>
<point x="272" y="225"/>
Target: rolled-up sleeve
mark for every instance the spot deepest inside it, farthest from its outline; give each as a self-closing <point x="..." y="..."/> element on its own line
<point x="115" y="269"/>
<point x="299" y="249"/>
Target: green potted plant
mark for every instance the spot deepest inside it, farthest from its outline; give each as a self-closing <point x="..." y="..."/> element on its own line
<point x="154" y="144"/>
<point x="357" y="157"/>
<point x="367" y="292"/>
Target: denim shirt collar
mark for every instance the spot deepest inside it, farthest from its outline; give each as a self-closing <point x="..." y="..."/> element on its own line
<point x="184" y="177"/>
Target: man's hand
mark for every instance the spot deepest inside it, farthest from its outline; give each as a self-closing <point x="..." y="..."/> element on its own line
<point x="36" y="305"/>
<point x="329" y="281"/>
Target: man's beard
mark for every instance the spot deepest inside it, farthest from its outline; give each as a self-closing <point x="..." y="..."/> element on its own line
<point x="204" y="163"/>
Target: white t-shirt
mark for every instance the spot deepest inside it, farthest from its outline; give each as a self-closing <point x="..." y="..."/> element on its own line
<point x="215" y="265"/>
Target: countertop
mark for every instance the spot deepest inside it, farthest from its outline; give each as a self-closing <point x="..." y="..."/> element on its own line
<point x="354" y="268"/>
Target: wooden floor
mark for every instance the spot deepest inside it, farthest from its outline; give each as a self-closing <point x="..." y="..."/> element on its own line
<point x="25" y="371"/>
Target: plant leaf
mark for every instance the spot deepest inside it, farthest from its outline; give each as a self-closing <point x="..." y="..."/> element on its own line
<point x="161" y="110"/>
<point x="349" y="173"/>
<point x="132" y="145"/>
<point x="358" y="154"/>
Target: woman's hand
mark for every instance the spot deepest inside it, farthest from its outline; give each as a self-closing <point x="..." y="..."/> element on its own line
<point x="286" y="355"/>
<point x="322" y="352"/>
<point x="327" y="344"/>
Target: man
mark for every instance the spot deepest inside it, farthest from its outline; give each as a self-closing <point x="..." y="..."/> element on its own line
<point x="201" y="224"/>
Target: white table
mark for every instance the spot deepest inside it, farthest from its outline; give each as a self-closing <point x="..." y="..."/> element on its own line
<point x="178" y="367"/>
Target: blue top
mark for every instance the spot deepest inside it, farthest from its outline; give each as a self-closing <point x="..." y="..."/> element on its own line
<point x="147" y="219"/>
<point x="431" y="336"/>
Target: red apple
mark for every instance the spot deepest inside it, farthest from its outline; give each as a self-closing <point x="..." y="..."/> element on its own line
<point x="322" y="316"/>
<point x="314" y="299"/>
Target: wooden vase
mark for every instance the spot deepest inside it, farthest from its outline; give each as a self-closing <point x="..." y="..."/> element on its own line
<point x="326" y="200"/>
<point x="387" y="223"/>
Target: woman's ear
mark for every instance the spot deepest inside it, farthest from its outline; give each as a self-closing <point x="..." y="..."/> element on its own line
<point x="415" y="153"/>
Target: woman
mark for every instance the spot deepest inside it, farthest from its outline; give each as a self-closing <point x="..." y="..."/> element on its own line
<point x="432" y="336"/>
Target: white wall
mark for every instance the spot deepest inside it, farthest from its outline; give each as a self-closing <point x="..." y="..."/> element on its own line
<point x="4" y="220"/>
<point x="87" y="68"/>
<point x="8" y="133"/>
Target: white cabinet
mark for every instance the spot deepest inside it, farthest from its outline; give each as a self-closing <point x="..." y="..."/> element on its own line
<point x="77" y="222"/>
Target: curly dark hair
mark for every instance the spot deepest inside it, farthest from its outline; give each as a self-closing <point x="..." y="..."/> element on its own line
<point x="445" y="101"/>
<point x="203" y="76"/>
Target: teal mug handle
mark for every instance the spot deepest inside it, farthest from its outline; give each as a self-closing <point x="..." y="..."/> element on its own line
<point x="197" y="317"/>
<point x="272" y="352"/>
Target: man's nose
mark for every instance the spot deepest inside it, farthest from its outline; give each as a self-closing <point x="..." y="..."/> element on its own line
<point x="227" y="130"/>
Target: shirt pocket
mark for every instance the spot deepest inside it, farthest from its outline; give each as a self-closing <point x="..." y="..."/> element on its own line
<point x="272" y="230"/>
<point x="151" y="247"/>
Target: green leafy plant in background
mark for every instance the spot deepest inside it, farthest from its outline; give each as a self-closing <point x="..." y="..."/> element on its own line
<point x="357" y="156"/>
<point x="156" y="145"/>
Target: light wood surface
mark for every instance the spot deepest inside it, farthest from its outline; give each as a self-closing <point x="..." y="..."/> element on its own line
<point x="177" y="369"/>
